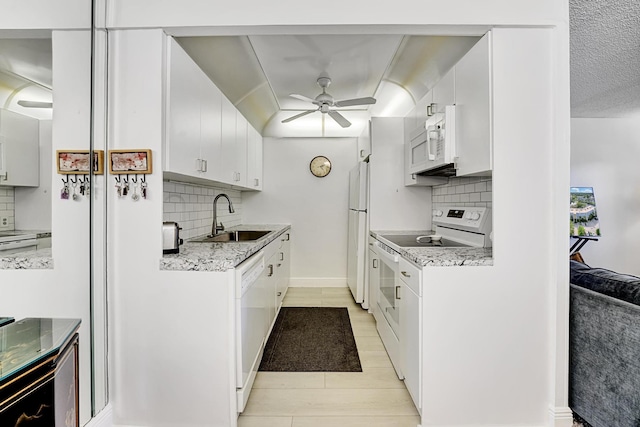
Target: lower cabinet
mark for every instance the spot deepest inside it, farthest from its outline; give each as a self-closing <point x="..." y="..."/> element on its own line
<point x="256" y="314"/>
<point x="411" y="335"/>
<point x="283" y="268"/>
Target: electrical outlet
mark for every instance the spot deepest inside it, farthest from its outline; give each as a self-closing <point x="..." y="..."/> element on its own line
<point x="4" y="221"/>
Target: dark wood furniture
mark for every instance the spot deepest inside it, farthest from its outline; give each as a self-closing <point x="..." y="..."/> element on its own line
<point x="39" y="373"/>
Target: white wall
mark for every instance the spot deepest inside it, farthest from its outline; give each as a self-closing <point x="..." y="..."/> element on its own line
<point x="193" y="13"/>
<point x="487" y="330"/>
<point x="315" y="207"/>
<point x="33" y="205"/>
<point x="44" y="14"/>
<point x="169" y="332"/>
<point x="602" y="155"/>
<point x="64" y="290"/>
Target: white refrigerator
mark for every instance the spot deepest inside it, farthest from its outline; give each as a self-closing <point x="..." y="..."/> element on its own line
<point x="357" y="234"/>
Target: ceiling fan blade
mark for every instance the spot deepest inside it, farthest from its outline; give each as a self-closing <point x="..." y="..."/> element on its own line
<point x="303" y="98"/>
<point x="356" y="101"/>
<point x="35" y="104"/>
<point x="297" y="116"/>
<point x="339" y="118"/>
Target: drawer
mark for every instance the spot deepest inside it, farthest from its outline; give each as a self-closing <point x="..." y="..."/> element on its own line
<point x="411" y="275"/>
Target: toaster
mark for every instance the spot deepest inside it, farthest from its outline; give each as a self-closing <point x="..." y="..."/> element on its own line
<point x="171" y="240"/>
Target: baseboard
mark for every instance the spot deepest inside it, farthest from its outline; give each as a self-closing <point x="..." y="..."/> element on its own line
<point x="318" y="282"/>
<point x="103" y="419"/>
<point x="560" y="416"/>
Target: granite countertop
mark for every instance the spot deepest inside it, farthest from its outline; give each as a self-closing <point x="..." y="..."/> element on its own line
<point x="437" y="256"/>
<point x="220" y="256"/>
<point x="30" y="260"/>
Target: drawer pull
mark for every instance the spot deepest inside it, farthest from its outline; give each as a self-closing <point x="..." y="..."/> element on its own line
<point x="404" y="273"/>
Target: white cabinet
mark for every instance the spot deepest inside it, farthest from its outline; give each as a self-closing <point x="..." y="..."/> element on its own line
<point x="19" y="150"/>
<point x="364" y="143"/>
<point x="283" y="265"/>
<point x="228" y="125"/>
<point x="193" y="109"/>
<point x="474" y="110"/>
<point x="374" y="275"/>
<point x="443" y="93"/>
<point x="411" y="329"/>
<point x="206" y="136"/>
<point x="234" y="145"/>
<point x="210" y="130"/>
<point x="254" y="159"/>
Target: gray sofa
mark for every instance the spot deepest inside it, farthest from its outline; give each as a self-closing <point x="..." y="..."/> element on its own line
<point x="604" y="330"/>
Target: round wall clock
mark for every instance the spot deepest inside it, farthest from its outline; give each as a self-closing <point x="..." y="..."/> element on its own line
<point x="320" y="166"/>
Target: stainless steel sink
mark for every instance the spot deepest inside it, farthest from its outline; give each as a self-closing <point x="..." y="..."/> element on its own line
<point x="232" y="236"/>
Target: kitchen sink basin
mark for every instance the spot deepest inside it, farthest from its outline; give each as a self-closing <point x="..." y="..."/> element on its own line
<point x="232" y="236"/>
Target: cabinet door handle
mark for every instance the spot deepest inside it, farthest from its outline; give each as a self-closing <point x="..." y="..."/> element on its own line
<point x="281" y="256"/>
<point x="404" y="273"/>
<point x="375" y="263"/>
<point x="361" y="153"/>
<point x="398" y="292"/>
<point x="279" y="294"/>
<point x="198" y="165"/>
<point x="204" y="166"/>
<point x="257" y="182"/>
<point x="270" y="267"/>
<point x="286" y="238"/>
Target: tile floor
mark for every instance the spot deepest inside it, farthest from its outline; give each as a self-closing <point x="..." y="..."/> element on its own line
<point x="371" y="398"/>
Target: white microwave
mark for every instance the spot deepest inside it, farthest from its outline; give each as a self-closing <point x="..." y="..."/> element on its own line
<point x="433" y="148"/>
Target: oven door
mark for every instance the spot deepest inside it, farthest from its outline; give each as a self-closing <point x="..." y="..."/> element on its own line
<point x="389" y="288"/>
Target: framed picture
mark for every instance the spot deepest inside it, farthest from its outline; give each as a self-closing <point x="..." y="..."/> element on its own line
<point x="77" y="162"/>
<point x="129" y="161"/>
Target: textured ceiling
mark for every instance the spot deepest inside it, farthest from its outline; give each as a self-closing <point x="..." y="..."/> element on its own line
<point x="605" y="58"/>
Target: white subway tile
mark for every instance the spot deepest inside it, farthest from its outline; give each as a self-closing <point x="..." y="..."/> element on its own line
<point x="469" y="188"/>
<point x="464" y="198"/>
<point x="474" y="197"/>
<point x="485" y="196"/>
<point x="481" y="186"/>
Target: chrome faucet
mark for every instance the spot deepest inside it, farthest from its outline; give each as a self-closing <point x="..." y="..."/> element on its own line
<point x="215" y="228"/>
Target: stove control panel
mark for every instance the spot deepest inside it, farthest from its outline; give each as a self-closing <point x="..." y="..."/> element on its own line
<point x="468" y="218"/>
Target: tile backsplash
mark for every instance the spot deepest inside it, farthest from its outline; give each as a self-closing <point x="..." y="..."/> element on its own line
<point x="7" y="208"/>
<point x="463" y="191"/>
<point x="191" y="206"/>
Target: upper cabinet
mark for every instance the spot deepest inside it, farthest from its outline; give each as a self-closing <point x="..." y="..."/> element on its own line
<point x="206" y="136"/>
<point x="19" y="150"/>
<point x="254" y="159"/>
<point x="467" y="86"/>
<point x="474" y="110"/>
<point x="443" y="93"/>
<point x="364" y="143"/>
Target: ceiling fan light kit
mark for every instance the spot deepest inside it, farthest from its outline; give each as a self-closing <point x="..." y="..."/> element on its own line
<point x="325" y="101"/>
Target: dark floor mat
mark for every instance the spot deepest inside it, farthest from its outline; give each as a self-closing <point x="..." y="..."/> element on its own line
<point x="311" y="339"/>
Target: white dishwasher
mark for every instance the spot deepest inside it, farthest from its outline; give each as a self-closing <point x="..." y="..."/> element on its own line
<point x="251" y="326"/>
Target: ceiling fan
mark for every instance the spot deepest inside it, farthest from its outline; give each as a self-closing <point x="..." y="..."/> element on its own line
<point x="325" y="102"/>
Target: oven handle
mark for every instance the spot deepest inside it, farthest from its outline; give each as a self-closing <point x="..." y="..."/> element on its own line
<point x="384" y="254"/>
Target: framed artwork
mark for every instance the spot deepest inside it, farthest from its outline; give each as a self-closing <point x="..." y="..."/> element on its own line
<point x="130" y="162"/>
<point x="77" y="162"/>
